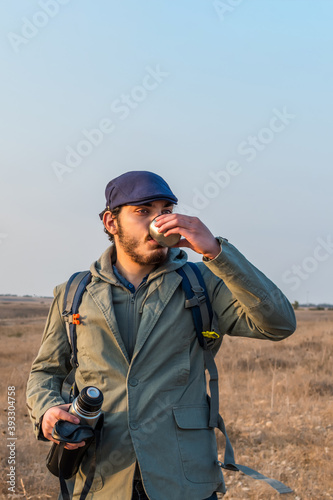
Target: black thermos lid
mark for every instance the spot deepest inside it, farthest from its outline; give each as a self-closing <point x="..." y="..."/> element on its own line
<point x="90" y="399"/>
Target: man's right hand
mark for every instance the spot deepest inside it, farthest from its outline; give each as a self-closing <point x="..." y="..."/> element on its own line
<point x="51" y="416"/>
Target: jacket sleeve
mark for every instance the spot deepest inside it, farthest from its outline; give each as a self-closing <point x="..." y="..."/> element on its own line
<point x="50" y="367"/>
<point x="245" y="301"/>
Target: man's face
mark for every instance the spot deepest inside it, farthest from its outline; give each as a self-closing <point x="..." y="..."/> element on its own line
<point x="133" y="232"/>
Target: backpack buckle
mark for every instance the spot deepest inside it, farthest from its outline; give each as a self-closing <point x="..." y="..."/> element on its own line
<point x="209" y="339"/>
<point x="197" y="299"/>
<point x="72" y="318"/>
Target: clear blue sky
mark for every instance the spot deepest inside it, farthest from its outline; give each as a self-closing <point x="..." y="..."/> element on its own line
<point x="232" y="104"/>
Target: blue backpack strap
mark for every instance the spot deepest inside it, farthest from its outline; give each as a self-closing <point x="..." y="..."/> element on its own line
<point x="70" y="290"/>
<point x="74" y="291"/>
<point x="75" y="288"/>
<point x="202" y="283"/>
<point x="197" y="299"/>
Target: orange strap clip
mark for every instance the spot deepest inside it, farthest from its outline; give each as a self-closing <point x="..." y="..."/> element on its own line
<point x="76" y="319"/>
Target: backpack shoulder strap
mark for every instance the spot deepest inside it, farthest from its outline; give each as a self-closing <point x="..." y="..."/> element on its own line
<point x="74" y="291"/>
<point x="229" y="464"/>
<point x="198" y="300"/>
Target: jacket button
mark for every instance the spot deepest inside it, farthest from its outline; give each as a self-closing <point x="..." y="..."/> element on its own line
<point x="133" y="381"/>
<point x="134" y="426"/>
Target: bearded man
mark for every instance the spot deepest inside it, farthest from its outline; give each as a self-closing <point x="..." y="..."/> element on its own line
<point x="137" y="343"/>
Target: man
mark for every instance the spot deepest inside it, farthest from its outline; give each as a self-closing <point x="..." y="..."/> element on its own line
<point x="137" y="343"/>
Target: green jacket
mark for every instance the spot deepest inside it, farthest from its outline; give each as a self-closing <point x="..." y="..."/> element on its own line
<point x="155" y="404"/>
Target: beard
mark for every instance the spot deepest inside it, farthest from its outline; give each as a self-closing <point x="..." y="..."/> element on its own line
<point x="130" y="246"/>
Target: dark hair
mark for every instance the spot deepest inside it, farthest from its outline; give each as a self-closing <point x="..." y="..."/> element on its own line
<point x="115" y="212"/>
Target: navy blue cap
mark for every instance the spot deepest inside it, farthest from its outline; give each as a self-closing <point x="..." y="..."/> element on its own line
<point x="136" y="188"/>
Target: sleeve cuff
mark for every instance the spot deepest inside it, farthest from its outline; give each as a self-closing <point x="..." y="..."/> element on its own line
<point x="220" y="240"/>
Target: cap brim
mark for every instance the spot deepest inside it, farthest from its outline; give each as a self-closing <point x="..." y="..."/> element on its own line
<point x="150" y="199"/>
<point x="153" y="198"/>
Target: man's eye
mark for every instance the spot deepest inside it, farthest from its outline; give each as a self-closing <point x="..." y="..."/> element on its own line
<point x="142" y="211"/>
<point x="167" y="212"/>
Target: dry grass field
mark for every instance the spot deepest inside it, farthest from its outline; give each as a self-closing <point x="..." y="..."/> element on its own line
<point x="276" y="400"/>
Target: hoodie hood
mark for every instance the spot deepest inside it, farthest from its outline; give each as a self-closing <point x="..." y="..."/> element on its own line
<point x="102" y="268"/>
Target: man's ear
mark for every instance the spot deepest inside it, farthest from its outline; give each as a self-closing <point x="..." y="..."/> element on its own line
<point x="110" y="223"/>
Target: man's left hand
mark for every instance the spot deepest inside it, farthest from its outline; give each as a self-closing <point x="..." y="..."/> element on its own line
<point x="195" y="234"/>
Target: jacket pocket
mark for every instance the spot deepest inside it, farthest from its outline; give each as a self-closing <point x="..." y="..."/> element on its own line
<point x="197" y="444"/>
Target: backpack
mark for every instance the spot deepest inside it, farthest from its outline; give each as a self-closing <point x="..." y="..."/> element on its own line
<point x="197" y="300"/>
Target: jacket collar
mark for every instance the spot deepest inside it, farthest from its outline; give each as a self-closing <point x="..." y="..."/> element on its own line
<point x="102" y="268"/>
<point x="102" y="295"/>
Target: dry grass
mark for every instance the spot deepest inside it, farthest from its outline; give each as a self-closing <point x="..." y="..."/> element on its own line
<point x="21" y="327"/>
<point x="276" y="400"/>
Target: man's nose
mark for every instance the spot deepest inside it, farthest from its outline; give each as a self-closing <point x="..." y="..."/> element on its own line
<point x="156" y="214"/>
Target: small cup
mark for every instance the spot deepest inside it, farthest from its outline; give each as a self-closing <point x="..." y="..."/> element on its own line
<point x="164" y="241"/>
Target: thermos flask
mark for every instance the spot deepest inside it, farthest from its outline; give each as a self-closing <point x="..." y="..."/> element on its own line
<point x="87" y="407"/>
